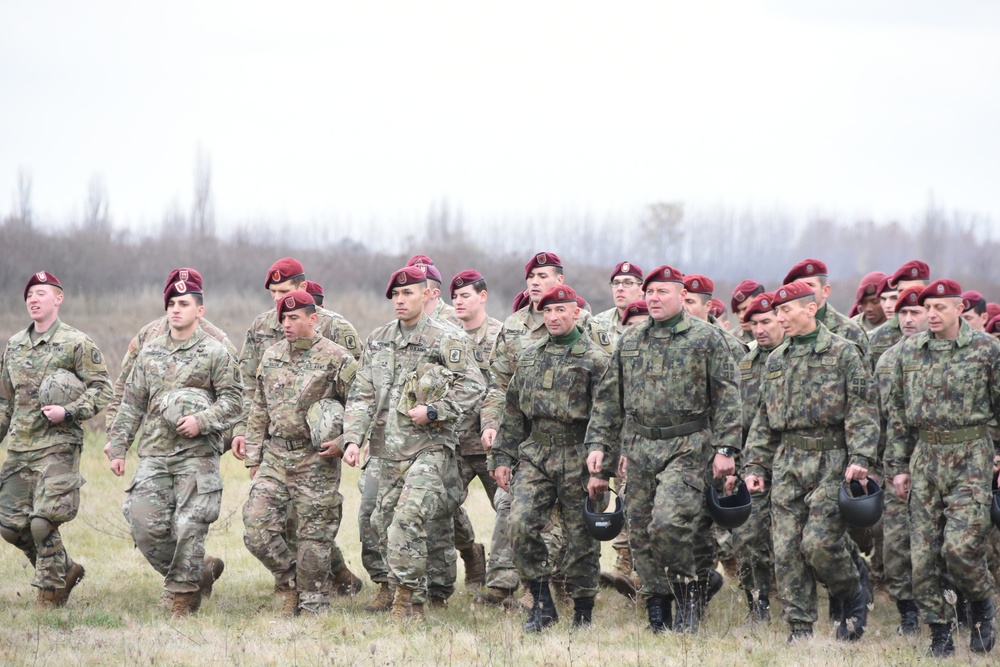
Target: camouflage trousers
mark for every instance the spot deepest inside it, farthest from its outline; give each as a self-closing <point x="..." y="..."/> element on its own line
<point x="469" y="468"/>
<point x="810" y="538"/>
<point x="442" y="558"/>
<point x="752" y="547"/>
<point x="550" y="477"/>
<point x="169" y="506"/>
<point x="950" y="522"/>
<point x="301" y="484"/>
<point x="896" y="560"/>
<point x="500" y="570"/>
<point x="371" y="552"/>
<point x="621" y="488"/>
<point x="39" y="491"/>
<point x="413" y="500"/>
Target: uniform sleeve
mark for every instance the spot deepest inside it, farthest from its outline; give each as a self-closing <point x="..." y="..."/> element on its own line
<point x="605" y="426"/>
<point x="92" y="369"/>
<point x="131" y="411"/>
<point x="345" y="377"/>
<point x="249" y="360"/>
<point x="900" y="443"/>
<point x="464" y="395"/>
<point x="514" y="428"/>
<point x="6" y="397"/>
<point x="727" y="406"/>
<point x="258" y="423"/>
<point x="348" y="338"/>
<point x="861" y="421"/>
<point x="227" y="381"/>
<point x="491" y="412"/>
<point x="128" y="361"/>
<point x="762" y="441"/>
<point x="360" y="407"/>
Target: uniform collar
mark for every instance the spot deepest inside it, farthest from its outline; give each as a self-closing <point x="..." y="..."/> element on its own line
<point x="44" y="337"/>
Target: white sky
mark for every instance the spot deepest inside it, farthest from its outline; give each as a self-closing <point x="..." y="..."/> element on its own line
<point x="353" y="110"/>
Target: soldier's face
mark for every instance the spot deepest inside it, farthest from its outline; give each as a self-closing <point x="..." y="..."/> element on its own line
<point x="280" y="290"/>
<point x="625" y="289"/>
<point x="697" y="305"/>
<point x="636" y="319"/>
<point x="912" y="320"/>
<point x="739" y="315"/>
<point x="664" y="300"/>
<point x="888" y="299"/>
<point x="298" y="324"/>
<point x="943" y="316"/>
<point x="43" y="302"/>
<point x="560" y="318"/>
<point x="540" y="281"/>
<point x="183" y="312"/>
<point x="468" y="303"/>
<point x="873" y="309"/>
<point x="766" y="329"/>
<point x="409" y="303"/>
<point x="975" y="320"/>
<point x="822" y="291"/>
<point x="797" y="317"/>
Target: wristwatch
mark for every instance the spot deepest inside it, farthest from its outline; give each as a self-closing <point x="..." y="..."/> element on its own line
<point x="726" y="451"/>
<point x="69" y="416"/>
<point x="432" y="413"/>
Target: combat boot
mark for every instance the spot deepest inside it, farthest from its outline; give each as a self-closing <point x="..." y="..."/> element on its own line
<point x="708" y="588"/>
<point x="345" y="583"/>
<point x="382" y="600"/>
<point x="688" y="597"/>
<point x="404" y="608"/>
<point x="961" y="611"/>
<point x="760" y="608"/>
<point x="658" y="611"/>
<point x="167" y="599"/>
<point x="185" y="604"/>
<point x="621" y="577"/>
<point x="543" y="610"/>
<point x="801" y="631"/>
<point x="474" y="558"/>
<point x="526" y="601"/>
<point x="289" y="598"/>
<point x="47" y="598"/>
<point x="855" y="616"/>
<point x="437" y="603"/>
<point x="493" y="596"/>
<point x="211" y="569"/>
<point x="73" y="577"/>
<point x="981" y="614"/>
<point x="942" y="645"/>
<point x="583" y="609"/>
<point x="909" y="618"/>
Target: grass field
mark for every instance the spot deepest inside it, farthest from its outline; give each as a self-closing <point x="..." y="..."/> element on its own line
<point x="114" y="618"/>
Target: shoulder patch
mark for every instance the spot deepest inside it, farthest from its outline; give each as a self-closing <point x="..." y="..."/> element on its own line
<point x="604" y="338"/>
<point x="95" y="356"/>
<point x="350" y="342"/>
<point x="746" y="365"/>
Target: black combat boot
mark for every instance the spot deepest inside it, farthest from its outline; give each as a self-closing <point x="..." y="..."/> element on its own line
<point x="941" y="643"/>
<point x="688" y="597"/>
<point x="760" y="609"/>
<point x="855" y="618"/>
<point x="981" y="613"/>
<point x="583" y="608"/>
<point x="909" y="618"/>
<point x="707" y="589"/>
<point x="658" y="610"/>
<point x="543" y="609"/>
<point x="800" y="631"/>
<point x="961" y="610"/>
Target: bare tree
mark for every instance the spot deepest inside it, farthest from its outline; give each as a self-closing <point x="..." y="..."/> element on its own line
<point x="662" y="228"/>
<point x="23" y="213"/>
<point x="203" y="208"/>
<point x="96" y="216"/>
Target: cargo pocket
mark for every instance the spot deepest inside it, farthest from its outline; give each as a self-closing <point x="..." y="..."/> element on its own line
<point x="59" y="497"/>
<point x="207" y="502"/>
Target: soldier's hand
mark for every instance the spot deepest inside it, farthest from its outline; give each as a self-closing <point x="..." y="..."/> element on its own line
<point x="107" y="449"/>
<point x="502" y="476"/>
<point x="253" y="471"/>
<point x="730" y="484"/>
<point x="54" y="413"/>
<point x="351" y="454"/>
<point x="755" y="484"/>
<point x="489" y="435"/>
<point x="856" y="473"/>
<point x="723" y="466"/>
<point x="622" y="466"/>
<point x="419" y="415"/>
<point x="330" y="450"/>
<point x="188" y="427"/>
<point x="596" y="486"/>
<point x="902" y="484"/>
<point x="118" y="467"/>
<point x="595" y="461"/>
<point x="239" y="447"/>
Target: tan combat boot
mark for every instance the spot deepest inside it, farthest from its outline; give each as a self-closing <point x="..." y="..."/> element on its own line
<point x="474" y="558"/>
<point x="185" y="604"/>
<point x="382" y="600"/>
<point x="167" y="599"/>
<point x="73" y="577"/>
<point x="437" y="603"/>
<point x="526" y="601"/>
<point x="289" y="602"/>
<point x="211" y="569"/>
<point x="345" y="584"/>
<point x="622" y="577"/>
<point x="402" y="604"/>
<point x="493" y="596"/>
<point x="47" y="598"/>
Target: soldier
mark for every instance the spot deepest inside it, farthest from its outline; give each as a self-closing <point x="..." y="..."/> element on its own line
<point x="898" y="568"/>
<point x="417" y="378"/>
<point x="870" y="313"/>
<point x="177" y="490"/>
<point x="974" y="310"/>
<point x="752" y="540"/>
<point x="912" y="273"/>
<point x="813" y="273"/>
<point x="717" y="309"/>
<point x="816" y="426"/>
<point x="435" y="307"/>
<point x="636" y="312"/>
<point x="626" y="287"/>
<point x="40" y="480"/>
<point x="548" y="404"/>
<point x="945" y="388"/>
<point x="295" y="374"/>
<point x="674" y="379"/>
<point x="745" y="291"/>
<point x="315" y="290"/>
<point x="698" y="303"/>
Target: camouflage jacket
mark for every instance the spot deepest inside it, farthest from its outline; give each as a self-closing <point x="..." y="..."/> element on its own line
<point x="152" y="331"/>
<point x="25" y="365"/>
<point x="666" y="376"/>
<point x="821" y="389"/>
<point x="162" y="366"/>
<point x="940" y="385"/>
<point x="736" y="346"/>
<point x="266" y="330"/>
<point x="469" y="442"/>
<point x="554" y="383"/>
<point x="883" y="377"/>
<point x="844" y="327"/>
<point x="865" y="325"/>
<point x="444" y="312"/>
<point x="520" y="330"/>
<point x="376" y="403"/>
<point x="611" y="321"/>
<point x="751" y="377"/>
<point x="883" y="338"/>
<point x="291" y="377"/>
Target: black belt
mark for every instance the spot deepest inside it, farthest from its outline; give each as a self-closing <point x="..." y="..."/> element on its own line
<point x="558" y="434"/>
<point x="667" y="432"/>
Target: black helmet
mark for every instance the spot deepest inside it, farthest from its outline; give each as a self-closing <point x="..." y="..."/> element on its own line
<point x="860" y="509"/>
<point x="730" y="511"/>
<point x="995" y="507"/>
<point x="604" y="526"/>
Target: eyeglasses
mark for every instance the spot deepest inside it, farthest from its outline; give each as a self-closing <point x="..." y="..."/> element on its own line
<point x="624" y="283"/>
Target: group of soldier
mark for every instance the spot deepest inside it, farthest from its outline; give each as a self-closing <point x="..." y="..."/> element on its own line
<point x="545" y="408"/>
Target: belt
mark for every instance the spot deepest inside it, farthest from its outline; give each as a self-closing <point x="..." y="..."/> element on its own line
<point x="822" y="443"/>
<point x="558" y="434"/>
<point x="954" y="436"/>
<point x="290" y="444"/>
<point x="667" y="432"/>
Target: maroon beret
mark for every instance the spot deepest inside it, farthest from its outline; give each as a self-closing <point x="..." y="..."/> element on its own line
<point x="627" y="269"/>
<point x="542" y="259"/>
<point x="716" y="308"/>
<point x="698" y="284"/>
<point x="41" y="278"/>
<point x="790" y="292"/>
<point x="762" y="303"/>
<point x="179" y="288"/>
<point x="312" y="287"/>
<point x="884" y="286"/>
<point x="296" y="300"/>
<point x="909" y="297"/>
<point x="521" y="299"/>
<point x="633" y="309"/>
<point x="807" y="268"/>
<point x="467" y="277"/>
<point x="993" y="326"/>
<point x="408" y="275"/>
<point x="558" y="294"/>
<point x="869" y="285"/>
<point x="420" y="259"/>
<point x="855" y="309"/>
<point x="747" y="289"/>
<point x="971" y="298"/>
<point x="284" y="269"/>
<point x="430" y="271"/>
<point x="912" y="270"/>
<point x="940" y="289"/>
<point x="663" y="274"/>
<point x="992" y="309"/>
<point x="185" y="274"/>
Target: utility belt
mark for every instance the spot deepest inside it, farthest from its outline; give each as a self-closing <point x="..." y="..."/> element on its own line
<point x="551" y="432"/>
<point x="667" y="432"/>
<point x="290" y="445"/>
<point x="813" y="443"/>
<point x="954" y="436"/>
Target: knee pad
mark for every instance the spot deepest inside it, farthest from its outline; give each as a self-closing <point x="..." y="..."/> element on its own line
<point x="41" y="529"/>
<point x="9" y="534"/>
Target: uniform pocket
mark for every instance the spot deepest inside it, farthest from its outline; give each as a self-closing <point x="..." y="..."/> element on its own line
<point x="59" y="497"/>
<point x="208" y="482"/>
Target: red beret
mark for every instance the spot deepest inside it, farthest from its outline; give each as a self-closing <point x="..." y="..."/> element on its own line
<point x="633" y="309"/>
<point x="912" y="270"/>
<point x="420" y="259"/>
<point x="909" y="297"/>
<point x="663" y="274"/>
<point x="716" y="308"/>
<point x="41" y="278"/>
<point x="185" y="274"/>
<point x="807" y="268"/>
<point x="542" y="259"/>
<point x="698" y="284"/>
<point x="430" y="271"/>
<point x="855" y="309"/>
<point x="762" y="303"/>
<point x="992" y="309"/>
<point x="627" y="269"/>
<point x="521" y="299"/>
<point x="558" y="294"/>
<point x="312" y="287"/>
<point x="884" y="286"/>
<point x="179" y="288"/>
<point x="284" y="269"/>
<point x="408" y="275"/>
<point x="467" y="277"/>
<point x="940" y="289"/>
<point x="869" y="285"/>
<point x="790" y="292"/>
<point x="296" y="300"/>
<point x="993" y="326"/>
<point x="747" y="289"/>
<point x="971" y="298"/>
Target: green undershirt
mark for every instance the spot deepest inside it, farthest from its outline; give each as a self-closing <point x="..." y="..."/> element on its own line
<point x="669" y="323"/>
<point x="806" y="339"/>
<point x="569" y="338"/>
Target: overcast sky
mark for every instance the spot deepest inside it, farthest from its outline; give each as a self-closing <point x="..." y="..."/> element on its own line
<point x="352" y="110"/>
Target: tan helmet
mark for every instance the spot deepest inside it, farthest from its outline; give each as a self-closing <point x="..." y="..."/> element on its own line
<point x="326" y="421"/>
<point x="60" y="387"/>
<point x="183" y="403"/>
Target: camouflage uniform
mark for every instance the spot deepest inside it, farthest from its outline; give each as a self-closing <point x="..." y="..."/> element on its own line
<point x="292" y="377"/>
<point x="40" y="480"/>
<point x="865" y="325"/>
<point x="611" y="321"/>
<point x="818" y="414"/>
<point x="177" y="490"/>
<point x="548" y="403"/>
<point x="844" y="327"/>
<point x="883" y="338"/>
<point x="446" y="313"/>
<point x="415" y="462"/>
<point x="943" y="394"/>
